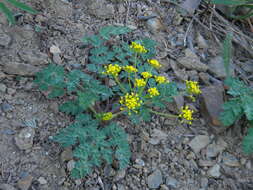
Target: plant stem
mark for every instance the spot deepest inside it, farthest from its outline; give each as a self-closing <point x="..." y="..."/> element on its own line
<point x="93" y="110"/>
<point x="120" y="85"/>
<point x="118" y="113"/>
<point x="163" y="114"/>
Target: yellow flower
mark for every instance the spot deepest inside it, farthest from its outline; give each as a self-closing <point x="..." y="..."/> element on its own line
<point x="161" y="79"/>
<point x="153" y="92"/>
<point x="192" y="87"/>
<point x="146" y="75"/>
<point x="130" y="69"/>
<point x="112" y="70"/>
<point x="131" y="102"/>
<point x="140" y="82"/>
<point x="186" y="115"/>
<point x="154" y="63"/>
<point x="107" y="116"/>
<point x="138" y="48"/>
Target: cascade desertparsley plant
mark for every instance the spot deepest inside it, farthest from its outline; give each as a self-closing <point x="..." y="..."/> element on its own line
<point x="124" y="81"/>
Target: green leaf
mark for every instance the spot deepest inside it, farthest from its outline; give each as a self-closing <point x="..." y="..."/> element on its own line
<point x="93" y="40"/>
<point x="145" y="114"/>
<point x="71" y="107"/>
<point x="237" y="87"/>
<point x="82" y="168"/>
<point x="247" y="143"/>
<point x="7" y="12"/>
<point x="73" y="79"/>
<point x="56" y="92"/>
<point x="86" y="99"/>
<point x="108" y="31"/>
<point x="232" y="111"/>
<point x="229" y="2"/>
<point x="247" y="103"/>
<point x="22" y="6"/>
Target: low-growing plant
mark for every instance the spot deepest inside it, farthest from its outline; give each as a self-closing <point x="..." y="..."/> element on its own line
<point x="8" y="13"/>
<point x="121" y="79"/>
<point x="234" y="5"/>
<point x="241" y="102"/>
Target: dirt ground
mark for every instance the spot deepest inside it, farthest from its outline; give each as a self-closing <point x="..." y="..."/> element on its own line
<point x="165" y="154"/>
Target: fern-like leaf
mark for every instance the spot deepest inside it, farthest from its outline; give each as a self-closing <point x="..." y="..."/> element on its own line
<point x="7" y="12"/>
<point x="108" y="31"/>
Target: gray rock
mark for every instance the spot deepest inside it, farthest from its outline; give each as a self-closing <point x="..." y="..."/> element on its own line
<point x="201" y="42"/>
<point x="24" y="139"/>
<point x="5" y="40"/>
<point x="180" y="73"/>
<point x="42" y="181"/>
<point x="100" y="8"/>
<point x="11" y="91"/>
<point x="157" y="136"/>
<point x="211" y="104"/>
<point x="199" y="142"/>
<point x="15" y="68"/>
<point x="121" y="187"/>
<point x="176" y="105"/>
<point x="214" y="149"/>
<point x="171" y="182"/>
<point x="216" y="67"/>
<point x="6" y="187"/>
<point x="6" y="107"/>
<point x="139" y="163"/>
<point x="230" y="160"/>
<point x="120" y="175"/>
<point x="154" y="180"/>
<point x="214" y="171"/>
<point x="33" y="57"/>
<point x="66" y="155"/>
<point x="192" y="61"/>
<point x="2" y="88"/>
<point x="154" y="25"/>
<point x="25" y="183"/>
<point x="70" y="165"/>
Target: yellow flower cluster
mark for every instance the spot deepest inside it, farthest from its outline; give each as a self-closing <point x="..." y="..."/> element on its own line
<point x="130" y="101"/>
<point x="146" y="75"/>
<point x="161" y="79"/>
<point x="153" y="92"/>
<point x="186" y="115"/>
<point x="112" y="70"/>
<point x="138" y="48"/>
<point x="192" y="87"/>
<point x="130" y="69"/>
<point x="154" y="63"/>
<point x="140" y="82"/>
<point x="107" y="116"/>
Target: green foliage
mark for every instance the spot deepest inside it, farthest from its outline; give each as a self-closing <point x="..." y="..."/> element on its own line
<point x="94" y="145"/>
<point x="233" y="5"/>
<point x="8" y="13"/>
<point x="241" y="102"/>
<point x="93" y="135"/>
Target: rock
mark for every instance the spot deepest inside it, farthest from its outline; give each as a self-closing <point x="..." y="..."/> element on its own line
<point x="2" y="88"/>
<point x="33" y="57"/>
<point x="24" y="139"/>
<point x="42" y="181"/>
<point x="193" y="75"/>
<point x="180" y="73"/>
<point x="171" y="182"/>
<point x="154" y="180"/>
<point x="165" y="64"/>
<point x="25" y="183"/>
<point x="214" y="149"/>
<point x="192" y="61"/>
<point x="11" y="91"/>
<point x="70" y="165"/>
<point x="61" y="9"/>
<point x="5" y="40"/>
<point x="201" y="42"/>
<point x="6" y="107"/>
<point x="157" y="136"/>
<point x="78" y="182"/>
<point x="176" y="105"/>
<point x="154" y="25"/>
<point x="216" y="66"/>
<point x="205" y="78"/>
<point x="121" y="187"/>
<point x="139" y="163"/>
<point x="230" y="160"/>
<point x="66" y="155"/>
<point x="211" y="104"/>
<point x="214" y="171"/>
<point x="55" y="49"/>
<point x="205" y="163"/>
<point x="204" y="182"/>
<point x="120" y="175"/>
<point x="199" y="142"/>
<point x="6" y="187"/>
<point x="100" y="8"/>
<point x="247" y="66"/>
<point x="15" y="68"/>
